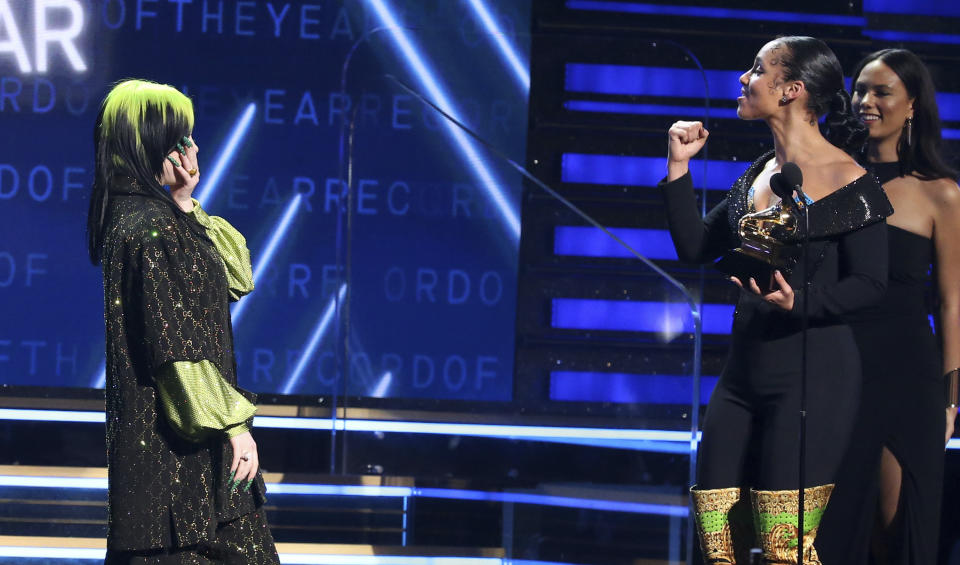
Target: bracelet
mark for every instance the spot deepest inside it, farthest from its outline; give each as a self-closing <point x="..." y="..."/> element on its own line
<point x="952" y="387"/>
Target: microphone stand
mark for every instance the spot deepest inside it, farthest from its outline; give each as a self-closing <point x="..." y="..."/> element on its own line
<point x="804" y="322"/>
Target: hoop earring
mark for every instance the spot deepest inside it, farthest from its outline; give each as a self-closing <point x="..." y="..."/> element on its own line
<point x="909" y="132"/>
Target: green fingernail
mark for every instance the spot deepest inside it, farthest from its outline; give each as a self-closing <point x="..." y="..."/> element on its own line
<point x="181" y="148"/>
<point x="246" y="487"/>
<point x="232" y="473"/>
<point x="187" y="142"/>
<point x="174" y="161"/>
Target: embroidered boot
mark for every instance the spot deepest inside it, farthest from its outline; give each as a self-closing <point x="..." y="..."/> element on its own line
<point x="712" y="511"/>
<point x="775" y="519"/>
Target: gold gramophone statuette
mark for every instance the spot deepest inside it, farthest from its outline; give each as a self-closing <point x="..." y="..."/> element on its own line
<point x="763" y="235"/>
<point x="765" y="246"/>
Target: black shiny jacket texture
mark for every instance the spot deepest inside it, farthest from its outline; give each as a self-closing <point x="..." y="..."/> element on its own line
<point x="165" y="300"/>
<point x="847" y="262"/>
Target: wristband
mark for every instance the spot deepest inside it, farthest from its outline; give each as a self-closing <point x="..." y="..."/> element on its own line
<point x="952" y="387"/>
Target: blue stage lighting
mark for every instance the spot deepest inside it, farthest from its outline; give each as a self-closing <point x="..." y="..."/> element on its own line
<point x="428" y="81"/>
<point x="915" y="7"/>
<point x="53" y="482"/>
<point x="266" y="254"/>
<point x="339" y="490"/>
<point x="950" y="133"/>
<point x="668" y="319"/>
<point x="552" y="500"/>
<point x="33" y="415"/>
<point x="386" y="492"/>
<point x="227" y="153"/>
<point x="715" y="13"/>
<point x="509" y="52"/>
<point x="71" y="554"/>
<point x="318" y="332"/>
<point x="618" y="170"/>
<point x="692" y="112"/>
<point x="100" y="380"/>
<point x="948" y="105"/>
<point x="588" y="241"/>
<point x="75" y="555"/>
<point x="627" y="388"/>
<point x="911" y="36"/>
<point x="636" y="80"/>
<point x="382" y="386"/>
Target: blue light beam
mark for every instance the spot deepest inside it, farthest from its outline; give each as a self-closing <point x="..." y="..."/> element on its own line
<point x="227" y="154"/>
<point x="100" y="381"/>
<point x="716" y="13"/>
<point x="266" y="256"/>
<point x="507" y="51"/>
<point x="429" y="82"/>
<point x="318" y="332"/>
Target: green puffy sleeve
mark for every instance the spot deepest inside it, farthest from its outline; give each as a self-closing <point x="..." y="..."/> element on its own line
<point x="198" y="402"/>
<point x="232" y="247"/>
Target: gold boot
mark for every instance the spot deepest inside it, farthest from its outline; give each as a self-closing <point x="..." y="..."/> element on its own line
<point x="775" y="519"/>
<point x="712" y="510"/>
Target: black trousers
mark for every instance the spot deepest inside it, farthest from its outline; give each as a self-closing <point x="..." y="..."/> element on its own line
<point x="751" y="429"/>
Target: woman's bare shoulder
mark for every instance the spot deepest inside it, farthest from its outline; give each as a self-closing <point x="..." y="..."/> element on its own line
<point x="840" y="172"/>
<point x="941" y="192"/>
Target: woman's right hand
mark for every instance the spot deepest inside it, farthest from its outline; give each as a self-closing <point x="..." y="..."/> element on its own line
<point x="246" y="462"/>
<point x="685" y="139"/>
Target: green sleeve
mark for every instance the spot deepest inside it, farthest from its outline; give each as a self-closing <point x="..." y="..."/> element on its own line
<point x="198" y="402"/>
<point x="232" y="247"/>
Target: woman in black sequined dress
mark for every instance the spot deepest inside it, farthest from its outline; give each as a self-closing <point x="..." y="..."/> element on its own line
<point x="887" y="500"/>
<point x="750" y="433"/>
<point x="184" y="480"/>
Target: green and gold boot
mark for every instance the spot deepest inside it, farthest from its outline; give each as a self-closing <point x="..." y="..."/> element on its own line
<point x="712" y="509"/>
<point x="775" y="519"/>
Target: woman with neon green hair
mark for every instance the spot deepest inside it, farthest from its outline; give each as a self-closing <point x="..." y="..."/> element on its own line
<point x="184" y="476"/>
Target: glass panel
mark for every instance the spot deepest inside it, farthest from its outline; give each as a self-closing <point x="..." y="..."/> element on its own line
<point x="545" y="380"/>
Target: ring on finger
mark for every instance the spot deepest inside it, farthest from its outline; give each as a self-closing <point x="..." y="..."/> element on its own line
<point x="245" y="456"/>
<point x="193" y="172"/>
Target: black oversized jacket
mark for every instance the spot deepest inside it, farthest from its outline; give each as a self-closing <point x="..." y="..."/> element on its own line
<point x="165" y="300"/>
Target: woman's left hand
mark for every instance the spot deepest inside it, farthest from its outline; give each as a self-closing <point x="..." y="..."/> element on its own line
<point x="782" y="297"/>
<point x="184" y="177"/>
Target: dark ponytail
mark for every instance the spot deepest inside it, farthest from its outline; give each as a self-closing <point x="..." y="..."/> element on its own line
<point x="812" y="62"/>
<point x="843" y="128"/>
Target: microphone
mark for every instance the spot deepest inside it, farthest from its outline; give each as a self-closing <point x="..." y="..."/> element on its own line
<point x="794" y="179"/>
<point x="781" y="187"/>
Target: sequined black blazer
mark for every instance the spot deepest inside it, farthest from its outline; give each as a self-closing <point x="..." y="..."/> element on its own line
<point x="847" y="256"/>
<point x="165" y="300"/>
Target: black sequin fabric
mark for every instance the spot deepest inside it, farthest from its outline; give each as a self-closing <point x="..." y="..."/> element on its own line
<point x="244" y="541"/>
<point x="165" y="300"/>
<point x="851" y="207"/>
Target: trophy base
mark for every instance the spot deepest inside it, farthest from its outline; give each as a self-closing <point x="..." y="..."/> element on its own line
<point x="738" y="264"/>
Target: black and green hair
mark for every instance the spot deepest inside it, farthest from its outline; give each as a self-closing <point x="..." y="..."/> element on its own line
<point x="139" y="124"/>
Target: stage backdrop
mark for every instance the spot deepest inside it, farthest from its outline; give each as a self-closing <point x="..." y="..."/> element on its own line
<point x="422" y="252"/>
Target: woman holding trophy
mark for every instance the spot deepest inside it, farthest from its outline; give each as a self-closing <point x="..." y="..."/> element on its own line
<point x="751" y="429"/>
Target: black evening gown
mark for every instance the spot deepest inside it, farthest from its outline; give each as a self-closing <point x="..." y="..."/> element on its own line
<point x="901" y="409"/>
